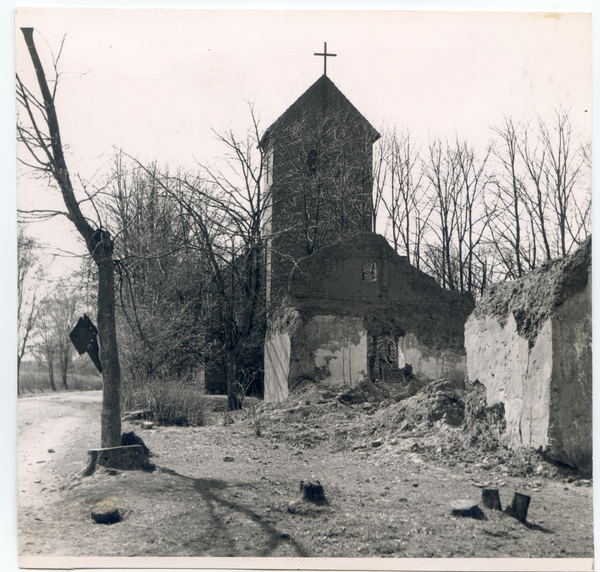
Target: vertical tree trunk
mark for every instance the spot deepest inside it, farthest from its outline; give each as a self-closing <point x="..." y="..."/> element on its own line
<point x="51" y="375"/>
<point x="233" y="397"/>
<point x="109" y="355"/>
<point x="65" y="368"/>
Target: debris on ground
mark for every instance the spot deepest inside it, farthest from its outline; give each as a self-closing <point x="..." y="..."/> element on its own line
<point x="106" y="512"/>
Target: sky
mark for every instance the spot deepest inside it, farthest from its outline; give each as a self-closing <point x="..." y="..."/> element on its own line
<point x="158" y="83"/>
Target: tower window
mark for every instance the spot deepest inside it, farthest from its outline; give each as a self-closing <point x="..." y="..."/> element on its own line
<point x="369" y="271"/>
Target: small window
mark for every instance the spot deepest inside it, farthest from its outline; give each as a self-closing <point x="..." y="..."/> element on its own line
<point x="369" y="272"/>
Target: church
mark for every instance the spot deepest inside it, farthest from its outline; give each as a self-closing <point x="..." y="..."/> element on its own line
<point x="342" y="304"/>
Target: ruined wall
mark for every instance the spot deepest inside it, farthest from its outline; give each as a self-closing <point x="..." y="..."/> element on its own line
<point x="571" y="413"/>
<point x="352" y="292"/>
<point x="399" y="300"/>
<point x="513" y="374"/>
<point x="330" y="348"/>
<point x="430" y="363"/>
<point x="529" y="343"/>
<point x="277" y="366"/>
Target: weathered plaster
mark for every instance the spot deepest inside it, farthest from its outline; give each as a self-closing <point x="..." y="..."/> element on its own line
<point x="512" y="374"/>
<point x="430" y="363"/>
<point x="540" y="367"/>
<point x="339" y="348"/>
<point x="277" y="366"/>
<point x="571" y="413"/>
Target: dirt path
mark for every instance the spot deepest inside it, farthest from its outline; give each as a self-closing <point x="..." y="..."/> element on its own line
<point x="53" y="433"/>
<point x="223" y="491"/>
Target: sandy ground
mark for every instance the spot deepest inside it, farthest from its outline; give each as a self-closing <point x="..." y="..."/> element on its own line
<point x="52" y="432"/>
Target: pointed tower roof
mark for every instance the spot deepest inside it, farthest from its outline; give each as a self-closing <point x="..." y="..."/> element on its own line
<point x="320" y="98"/>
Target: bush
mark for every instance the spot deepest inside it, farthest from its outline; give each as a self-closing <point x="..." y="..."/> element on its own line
<point x="171" y="402"/>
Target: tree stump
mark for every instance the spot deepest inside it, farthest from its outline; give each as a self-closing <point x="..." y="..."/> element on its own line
<point x="491" y="499"/>
<point x="129" y="458"/>
<point x="467" y="508"/>
<point x="313" y="492"/>
<point x="519" y="506"/>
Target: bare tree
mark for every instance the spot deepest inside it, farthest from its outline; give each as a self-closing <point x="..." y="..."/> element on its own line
<point x="472" y="222"/>
<point x="161" y="295"/>
<point x="30" y="272"/>
<point x="224" y="212"/>
<point x="511" y="202"/>
<point x="534" y="158"/>
<point x="57" y="316"/>
<point x="542" y="199"/>
<point x="400" y="190"/>
<point x="562" y="174"/>
<point x="444" y="175"/>
<point x="38" y="130"/>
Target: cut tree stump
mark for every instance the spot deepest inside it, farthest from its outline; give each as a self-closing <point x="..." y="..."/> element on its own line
<point x="312" y="492"/>
<point x="467" y="508"/>
<point x="129" y="458"/>
<point x="519" y="506"/>
<point x="491" y="499"/>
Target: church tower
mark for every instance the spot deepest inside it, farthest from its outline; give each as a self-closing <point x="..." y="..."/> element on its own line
<point x="318" y="179"/>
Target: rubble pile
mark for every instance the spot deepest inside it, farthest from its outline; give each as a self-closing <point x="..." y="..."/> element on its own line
<point x="444" y="421"/>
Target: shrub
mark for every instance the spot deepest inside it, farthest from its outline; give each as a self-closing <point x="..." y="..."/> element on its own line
<point x="171" y="402"/>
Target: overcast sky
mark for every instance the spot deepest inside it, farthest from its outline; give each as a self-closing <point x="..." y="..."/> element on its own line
<point x="155" y="83"/>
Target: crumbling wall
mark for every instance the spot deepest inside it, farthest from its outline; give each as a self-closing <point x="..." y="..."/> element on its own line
<point x="331" y="349"/>
<point x="347" y="295"/>
<point x="529" y="343"/>
<point x="277" y="366"/>
<point x="399" y="299"/>
<point x="571" y="411"/>
<point x="284" y="321"/>
<point x="429" y="363"/>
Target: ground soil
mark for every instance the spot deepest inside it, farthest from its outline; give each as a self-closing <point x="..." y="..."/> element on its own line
<point x="221" y="490"/>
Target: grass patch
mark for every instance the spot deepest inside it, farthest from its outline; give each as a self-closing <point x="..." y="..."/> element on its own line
<point x="39" y="382"/>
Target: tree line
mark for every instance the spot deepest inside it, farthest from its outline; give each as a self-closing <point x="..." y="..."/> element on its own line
<point x="470" y="217"/>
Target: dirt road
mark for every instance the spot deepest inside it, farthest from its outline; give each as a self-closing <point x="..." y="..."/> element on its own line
<point x="53" y="433"/>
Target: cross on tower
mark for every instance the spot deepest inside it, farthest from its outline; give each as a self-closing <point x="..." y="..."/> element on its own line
<point x="325" y="56"/>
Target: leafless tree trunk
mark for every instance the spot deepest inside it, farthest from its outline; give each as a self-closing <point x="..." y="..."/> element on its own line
<point x="534" y="157"/>
<point x="443" y="173"/>
<point x="563" y="170"/>
<point x="42" y="139"/>
<point x="225" y="213"/>
<point x="472" y="223"/>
